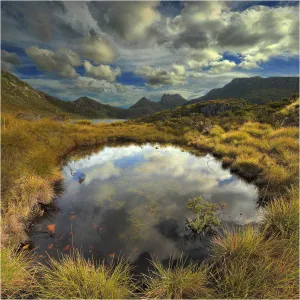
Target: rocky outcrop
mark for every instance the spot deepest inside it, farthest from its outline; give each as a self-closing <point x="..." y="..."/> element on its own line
<point x="214" y="109"/>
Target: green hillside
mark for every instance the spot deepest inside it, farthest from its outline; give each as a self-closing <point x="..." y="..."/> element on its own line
<point x="227" y="112"/>
<point x="19" y="96"/>
<point x="255" y="89"/>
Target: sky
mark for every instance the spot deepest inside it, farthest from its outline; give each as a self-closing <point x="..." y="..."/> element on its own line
<point x="118" y="52"/>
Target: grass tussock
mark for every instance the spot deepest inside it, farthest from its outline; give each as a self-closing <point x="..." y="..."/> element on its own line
<point x="180" y="280"/>
<point x="281" y="217"/>
<point x="235" y="136"/>
<point x="216" y="131"/>
<point x="17" y="274"/>
<point x="73" y="277"/>
<point x="84" y="122"/>
<point x="247" y="265"/>
<point x="237" y="243"/>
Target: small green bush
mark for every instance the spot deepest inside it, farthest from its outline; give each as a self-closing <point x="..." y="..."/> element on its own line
<point x="205" y="215"/>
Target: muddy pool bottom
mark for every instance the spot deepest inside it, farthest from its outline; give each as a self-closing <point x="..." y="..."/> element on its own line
<point x="132" y="201"/>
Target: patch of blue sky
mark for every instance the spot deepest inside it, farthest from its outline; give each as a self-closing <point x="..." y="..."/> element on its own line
<point x="129" y="161"/>
<point x="129" y="78"/>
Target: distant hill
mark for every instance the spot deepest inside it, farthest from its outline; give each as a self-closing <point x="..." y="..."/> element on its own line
<point x="146" y="107"/>
<point x="256" y="90"/>
<point x="19" y="96"/>
<point x="205" y="109"/>
<point x="94" y="109"/>
<point x="143" y="107"/>
<point x="168" y="101"/>
<point x="223" y="112"/>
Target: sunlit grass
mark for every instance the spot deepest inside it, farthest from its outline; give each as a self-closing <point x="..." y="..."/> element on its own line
<point x="73" y="277"/>
<point x="286" y="132"/>
<point x="216" y="131"/>
<point x="240" y="242"/>
<point x="180" y="280"/>
<point x="17" y="274"/>
<point x="234" y="136"/>
<point x="84" y="122"/>
<point x="281" y="217"/>
<point x="248" y="263"/>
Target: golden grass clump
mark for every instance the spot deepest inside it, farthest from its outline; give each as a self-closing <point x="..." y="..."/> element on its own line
<point x="282" y="143"/>
<point x="256" y="129"/>
<point x="247" y="265"/>
<point x="228" y="150"/>
<point x="248" y="166"/>
<point x="216" y="131"/>
<point x="84" y="122"/>
<point x="180" y="280"/>
<point x="281" y="218"/>
<point x="73" y="277"/>
<point x="17" y="274"/>
<point x="235" y="136"/>
<point x="286" y="132"/>
<point x="237" y="243"/>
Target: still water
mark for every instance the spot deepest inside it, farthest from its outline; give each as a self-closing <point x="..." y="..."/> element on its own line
<point x="132" y="201"/>
<point x="106" y="121"/>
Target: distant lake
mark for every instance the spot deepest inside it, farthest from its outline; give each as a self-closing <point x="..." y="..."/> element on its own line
<point x="132" y="200"/>
<point x="106" y="121"/>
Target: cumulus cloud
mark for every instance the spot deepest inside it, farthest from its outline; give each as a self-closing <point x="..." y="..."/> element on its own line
<point x="98" y="49"/>
<point x="207" y="29"/>
<point x="10" y="57"/>
<point x="100" y="86"/>
<point x="142" y="38"/>
<point x="159" y="76"/>
<point x="129" y="21"/>
<point x="63" y="61"/>
<point x="101" y="72"/>
<point x="9" y="60"/>
<point x="222" y="66"/>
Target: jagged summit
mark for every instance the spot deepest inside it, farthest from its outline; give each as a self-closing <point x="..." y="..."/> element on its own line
<point x="172" y="100"/>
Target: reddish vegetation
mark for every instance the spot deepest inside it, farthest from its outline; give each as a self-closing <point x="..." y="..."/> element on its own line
<point x="51" y="228"/>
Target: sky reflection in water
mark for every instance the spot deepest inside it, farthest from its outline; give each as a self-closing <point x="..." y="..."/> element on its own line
<point x="132" y="201"/>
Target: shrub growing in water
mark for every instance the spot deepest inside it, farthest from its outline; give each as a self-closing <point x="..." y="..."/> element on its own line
<point x="206" y="215"/>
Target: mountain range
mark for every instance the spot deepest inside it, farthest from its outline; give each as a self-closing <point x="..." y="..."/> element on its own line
<point x="19" y="96"/>
<point x="255" y="90"/>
